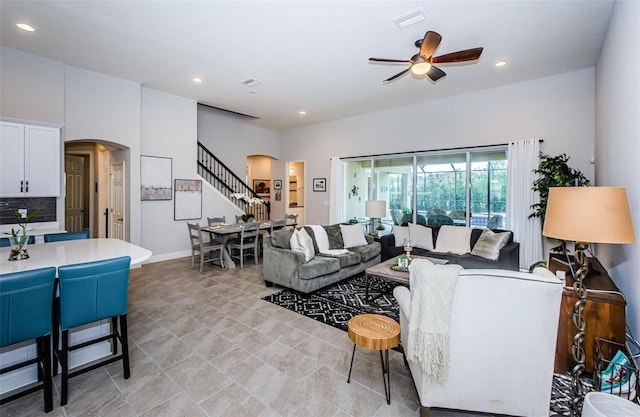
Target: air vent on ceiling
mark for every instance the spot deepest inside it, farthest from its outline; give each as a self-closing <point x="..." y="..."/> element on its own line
<point x="251" y="82"/>
<point x="409" y="18"/>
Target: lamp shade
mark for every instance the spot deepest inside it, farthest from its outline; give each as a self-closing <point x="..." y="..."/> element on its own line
<point x="589" y="214"/>
<point x="375" y="208"/>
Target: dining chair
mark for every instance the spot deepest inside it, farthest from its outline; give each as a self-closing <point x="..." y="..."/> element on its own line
<point x="277" y="224"/>
<point x="202" y="246"/>
<point x="26" y="300"/>
<point x="58" y="237"/>
<point x="239" y="218"/>
<point x="89" y="292"/>
<point x="5" y="242"/>
<point x="213" y="220"/>
<point x="249" y="238"/>
<point x="292" y="220"/>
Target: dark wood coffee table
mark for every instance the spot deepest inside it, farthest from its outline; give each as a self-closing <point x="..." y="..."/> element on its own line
<point x="385" y="272"/>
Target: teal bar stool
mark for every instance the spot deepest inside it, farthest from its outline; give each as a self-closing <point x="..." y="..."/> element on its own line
<point x="26" y="300"/>
<point x="57" y="237"/>
<point x="90" y="292"/>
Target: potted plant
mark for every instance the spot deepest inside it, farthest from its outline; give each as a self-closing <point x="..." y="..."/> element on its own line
<point x="554" y="172"/>
<point x="247" y="217"/>
<point x="380" y="229"/>
<point x="18" y="238"/>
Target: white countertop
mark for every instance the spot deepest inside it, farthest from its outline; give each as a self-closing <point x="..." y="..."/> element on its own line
<point x="68" y="252"/>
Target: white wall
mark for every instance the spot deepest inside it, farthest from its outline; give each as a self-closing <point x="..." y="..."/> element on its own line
<point x="558" y="109"/>
<point x="617" y="145"/>
<point x="32" y="87"/>
<point x="104" y="108"/>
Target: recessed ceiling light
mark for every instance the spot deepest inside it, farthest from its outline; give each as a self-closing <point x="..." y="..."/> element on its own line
<point x="197" y="79"/>
<point x="501" y="63"/>
<point x="409" y="18"/>
<point x="26" y="27"/>
<point x="302" y="112"/>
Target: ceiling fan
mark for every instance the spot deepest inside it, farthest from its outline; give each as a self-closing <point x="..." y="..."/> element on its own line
<point x="422" y="62"/>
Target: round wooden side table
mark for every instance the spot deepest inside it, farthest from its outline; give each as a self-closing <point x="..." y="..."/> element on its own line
<point x="374" y="331"/>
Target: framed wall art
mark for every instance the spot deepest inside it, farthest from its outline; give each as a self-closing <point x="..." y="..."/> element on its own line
<point x="277" y="184"/>
<point x="155" y="178"/>
<point x="187" y="200"/>
<point x="320" y="184"/>
<point x="262" y="187"/>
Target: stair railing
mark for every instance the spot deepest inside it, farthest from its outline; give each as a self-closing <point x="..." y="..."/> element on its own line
<point x="230" y="185"/>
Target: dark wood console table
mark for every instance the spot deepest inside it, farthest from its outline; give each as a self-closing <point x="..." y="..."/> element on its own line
<point x="604" y="312"/>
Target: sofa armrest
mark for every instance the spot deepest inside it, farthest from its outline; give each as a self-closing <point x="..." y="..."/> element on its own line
<point x="509" y="257"/>
<point x="403" y="296"/>
<point x="280" y="264"/>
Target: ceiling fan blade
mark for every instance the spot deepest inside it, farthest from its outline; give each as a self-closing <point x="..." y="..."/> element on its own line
<point x="389" y="60"/>
<point x="460" y="56"/>
<point x="435" y="73"/>
<point x="429" y="44"/>
<point x="401" y="73"/>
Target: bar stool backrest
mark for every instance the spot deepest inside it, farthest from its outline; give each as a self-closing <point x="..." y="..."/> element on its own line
<point x="26" y="300"/>
<point x="58" y="237"/>
<point x="93" y="291"/>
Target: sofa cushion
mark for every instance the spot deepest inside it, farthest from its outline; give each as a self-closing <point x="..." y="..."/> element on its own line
<point x="489" y="244"/>
<point x="421" y="236"/>
<point x="346" y="259"/>
<point x="401" y="233"/>
<point x="367" y="252"/>
<point x="280" y="238"/>
<point x="454" y="239"/>
<point x="306" y="244"/>
<point x="318" y="266"/>
<point x="352" y="235"/>
<point x="335" y="236"/>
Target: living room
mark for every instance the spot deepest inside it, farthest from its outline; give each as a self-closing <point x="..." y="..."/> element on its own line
<point x="587" y="113"/>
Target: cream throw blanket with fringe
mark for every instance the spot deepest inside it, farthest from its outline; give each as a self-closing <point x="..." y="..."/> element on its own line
<point x="322" y="240"/>
<point x="432" y="290"/>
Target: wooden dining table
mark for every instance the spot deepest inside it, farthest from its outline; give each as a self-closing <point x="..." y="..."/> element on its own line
<point x="225" y="231"/>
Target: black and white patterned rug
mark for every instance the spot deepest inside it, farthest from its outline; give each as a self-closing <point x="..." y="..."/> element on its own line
<point x="337" y="304"/>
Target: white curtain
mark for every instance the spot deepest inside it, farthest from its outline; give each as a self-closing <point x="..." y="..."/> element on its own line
<point x="522" y="160"/>
<point x="336" y="191"/>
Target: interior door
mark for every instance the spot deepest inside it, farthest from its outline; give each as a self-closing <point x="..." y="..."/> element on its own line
<point x="74" y="197"/>
<point x="116" y="201"/>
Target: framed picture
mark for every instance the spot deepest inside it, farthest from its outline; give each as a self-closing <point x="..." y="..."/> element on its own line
<point x="188" y="200"/>
<point x="277" y="184"/>
<point x="319" y="184"/>
<point x="155" y="178"/>
<point x="262" y="187"/>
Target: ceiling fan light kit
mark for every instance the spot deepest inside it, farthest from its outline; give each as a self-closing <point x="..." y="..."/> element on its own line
<point x="422" y="63"/>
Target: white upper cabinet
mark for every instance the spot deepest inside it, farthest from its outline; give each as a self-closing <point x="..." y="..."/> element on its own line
<point x="29" y="160"/>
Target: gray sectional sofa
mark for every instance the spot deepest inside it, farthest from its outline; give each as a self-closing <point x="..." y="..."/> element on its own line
<point x="287" y="268"/>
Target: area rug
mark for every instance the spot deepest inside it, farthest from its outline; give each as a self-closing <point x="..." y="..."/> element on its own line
<point x="336" y="304"/>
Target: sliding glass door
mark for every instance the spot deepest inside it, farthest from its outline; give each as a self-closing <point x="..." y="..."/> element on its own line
<point x="464" y="188"/>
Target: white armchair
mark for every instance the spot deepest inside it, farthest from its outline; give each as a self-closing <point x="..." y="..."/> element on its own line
<point x="503" y="333"/>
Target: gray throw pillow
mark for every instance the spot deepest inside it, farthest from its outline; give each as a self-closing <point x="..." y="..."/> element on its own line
<point x="280" y="238"/>
<point x="335" y="236"/>
<point x="489" y="244"/>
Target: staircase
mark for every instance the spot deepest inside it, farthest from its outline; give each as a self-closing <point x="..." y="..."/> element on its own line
<point x="224" y="180"/>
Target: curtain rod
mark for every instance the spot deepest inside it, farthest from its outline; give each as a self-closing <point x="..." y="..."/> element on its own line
<point x="430" y="150"/>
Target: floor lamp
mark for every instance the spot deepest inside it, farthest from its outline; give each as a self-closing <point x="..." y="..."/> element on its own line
<point x="375" y="209"/>
<point x="586" y="215"/>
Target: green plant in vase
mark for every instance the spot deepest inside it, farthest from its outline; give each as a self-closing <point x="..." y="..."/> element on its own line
<point x="19" y="237"/>
<point x="247" y="217"/>
<point x="380" y="229"/>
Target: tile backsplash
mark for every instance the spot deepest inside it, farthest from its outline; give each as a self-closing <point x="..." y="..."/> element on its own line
<point x="47" y="206"/>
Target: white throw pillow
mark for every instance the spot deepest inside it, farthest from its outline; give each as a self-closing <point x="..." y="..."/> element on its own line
<point x="293" y="241"/>
<point x="489" y="244"/>
<point x="454" y="239"/>
<point x="352" y="235"/>
<point x="306" y="245"/>
<point x="400" y="233"/>
<point x="421" y="236"/>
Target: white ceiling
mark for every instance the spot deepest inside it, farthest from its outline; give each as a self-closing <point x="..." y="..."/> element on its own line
<point x="309" y="55"/>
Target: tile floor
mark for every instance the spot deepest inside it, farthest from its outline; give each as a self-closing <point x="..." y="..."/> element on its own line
<point x="207" y="345"/>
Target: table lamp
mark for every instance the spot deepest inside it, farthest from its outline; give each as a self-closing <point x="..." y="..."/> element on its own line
<point x="586" y="215"/>
<point x="375" y="209"/>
